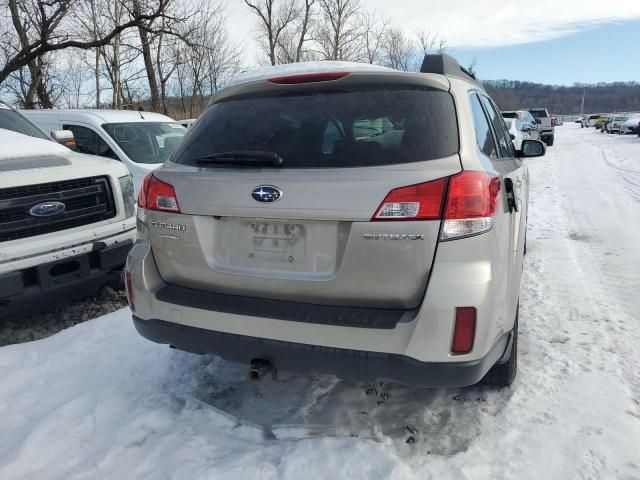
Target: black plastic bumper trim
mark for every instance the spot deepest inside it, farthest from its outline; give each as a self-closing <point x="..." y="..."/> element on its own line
<point x="354" y="365"/>
<point x="284" y="310"/>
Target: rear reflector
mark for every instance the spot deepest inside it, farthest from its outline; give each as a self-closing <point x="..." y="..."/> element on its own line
<point x="308" y="78"/>
<point x="465" y="330"/>
<point x="157" y="195"/>
<point x="471" y="204"/>
<point x="415" y="202"/>
<point x="128" y="288"/>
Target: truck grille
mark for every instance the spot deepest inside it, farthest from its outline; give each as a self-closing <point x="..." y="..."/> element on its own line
<point x="86" y="201"/>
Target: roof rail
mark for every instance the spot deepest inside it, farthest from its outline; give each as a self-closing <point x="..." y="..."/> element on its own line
<point x="445" y="65"/>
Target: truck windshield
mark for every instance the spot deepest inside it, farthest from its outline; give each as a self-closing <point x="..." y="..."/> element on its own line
<point x="12" y="120"/>
<point x="146" y="142"/>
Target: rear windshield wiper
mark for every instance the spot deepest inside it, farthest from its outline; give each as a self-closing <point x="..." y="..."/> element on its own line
<point x="245" y="158"/>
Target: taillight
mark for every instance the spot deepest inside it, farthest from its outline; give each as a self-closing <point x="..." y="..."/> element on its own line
<point x="464" y="331"/>
<point x="471" y="204"/>
<point x="415" y="202"/>
<point x="157" y="195"/>
<point x="308" y="78"/>
<point x="142" y="194"/>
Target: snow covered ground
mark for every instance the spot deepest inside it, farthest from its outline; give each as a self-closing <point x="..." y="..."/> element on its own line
<point x="98" y="401"/>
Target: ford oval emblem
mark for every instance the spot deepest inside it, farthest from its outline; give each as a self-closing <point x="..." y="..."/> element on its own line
<point x="47" y="209"/>
<point x="266" y="194"/>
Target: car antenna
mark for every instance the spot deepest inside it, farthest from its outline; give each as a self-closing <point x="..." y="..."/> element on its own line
<point x="140" y="110"/>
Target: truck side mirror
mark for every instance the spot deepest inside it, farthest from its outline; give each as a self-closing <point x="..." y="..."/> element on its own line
<point x="64" y="137"/>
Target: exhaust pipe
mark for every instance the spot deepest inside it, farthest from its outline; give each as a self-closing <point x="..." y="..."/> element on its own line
<point x="260" y="367"/>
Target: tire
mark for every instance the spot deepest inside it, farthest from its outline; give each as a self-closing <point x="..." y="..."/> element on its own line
<point x="503" y="374"/>
<point x="549" y="141"/>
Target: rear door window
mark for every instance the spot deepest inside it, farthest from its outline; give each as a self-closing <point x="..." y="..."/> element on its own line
<point x="502" y="134"/>
<point x="330" y="128"/>
<point x="484" y="137"/>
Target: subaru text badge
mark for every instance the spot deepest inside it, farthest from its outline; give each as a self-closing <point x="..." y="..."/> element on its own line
<point x="266" y="194"/>
<point x="47" y="209"/>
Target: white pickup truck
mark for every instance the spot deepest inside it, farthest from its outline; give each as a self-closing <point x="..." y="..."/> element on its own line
<point x="67" y="220"/>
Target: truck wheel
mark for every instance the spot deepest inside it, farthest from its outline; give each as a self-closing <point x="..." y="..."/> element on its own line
<point x="549" y="141"/>
<point x="503" y="374"/>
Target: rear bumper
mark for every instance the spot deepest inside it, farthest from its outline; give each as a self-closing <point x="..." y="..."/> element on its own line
<point x="353" y="365"/>
<point x="38" y="287"/>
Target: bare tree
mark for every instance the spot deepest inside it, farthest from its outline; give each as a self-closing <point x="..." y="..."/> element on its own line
<point x="430" y="42"/>
<point x="275" y="16"/>
<point x="44" y="26"/>
<point x="74" y="79"/>
<point x="340" y="32"/>
<point x="375" y="29"/>
<point x="398" y="51"/>
<point x="205" y="60"/>
<point x="472" y="66"/>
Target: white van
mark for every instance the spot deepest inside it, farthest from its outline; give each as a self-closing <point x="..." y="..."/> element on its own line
<point x="140" y="140"/>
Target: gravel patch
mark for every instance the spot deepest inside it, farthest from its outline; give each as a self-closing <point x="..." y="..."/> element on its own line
<point x="40" y="325"/>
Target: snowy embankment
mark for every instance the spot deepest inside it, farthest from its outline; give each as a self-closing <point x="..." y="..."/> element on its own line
<point x="98" y="401"/>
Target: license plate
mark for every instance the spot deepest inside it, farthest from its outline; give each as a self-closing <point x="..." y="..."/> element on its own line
<point x="276" y="241"/>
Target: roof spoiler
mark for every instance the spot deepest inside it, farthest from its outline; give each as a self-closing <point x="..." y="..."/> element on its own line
<point x="445" y="65"/>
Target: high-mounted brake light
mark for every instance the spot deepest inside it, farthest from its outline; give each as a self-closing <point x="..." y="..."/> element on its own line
<point x="471" y="204"/>
<point x="308" y="78"/>
<point x="157" y="195"/>
<point x="415" y="202"/>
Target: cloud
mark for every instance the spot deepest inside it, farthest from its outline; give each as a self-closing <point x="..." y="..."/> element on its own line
<point x="495" y="23"/>
<point x="478" y="23"/>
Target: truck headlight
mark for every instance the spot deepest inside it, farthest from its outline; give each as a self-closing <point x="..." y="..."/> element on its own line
<point x="128" y="195"/>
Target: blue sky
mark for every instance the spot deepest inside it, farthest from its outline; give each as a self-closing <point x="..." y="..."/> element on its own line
<point x="605" y="53"/>
<point x="545" y="41"/>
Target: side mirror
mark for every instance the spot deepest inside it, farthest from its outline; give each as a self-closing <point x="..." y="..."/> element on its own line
<point x="538" y="121"/>
<point x="531" y="148"/>
<point x="64" y="137"/>
<point x="513" y="137"/>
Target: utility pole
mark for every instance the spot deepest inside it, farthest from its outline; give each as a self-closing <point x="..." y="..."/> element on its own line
<point x="582" y="104"/>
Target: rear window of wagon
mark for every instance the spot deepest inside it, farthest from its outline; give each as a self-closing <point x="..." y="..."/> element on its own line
<point x="330" y="128"/>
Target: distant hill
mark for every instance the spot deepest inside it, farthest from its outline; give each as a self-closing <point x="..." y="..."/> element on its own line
<point x="601" y="97"/>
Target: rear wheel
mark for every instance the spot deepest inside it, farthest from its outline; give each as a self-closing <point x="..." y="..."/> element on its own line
<point x="503" y="374"/>
<point x="549" y="141"/>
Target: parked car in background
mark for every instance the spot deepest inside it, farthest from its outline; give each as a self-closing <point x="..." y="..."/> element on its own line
<point x="253" y="265"/>
<point x="590" y="120"/>
<point x="527" y="121"/>
<point x="66" y="222"/>
<point x="517" y="131"/>
<point x="600" y="121"/>
<point x="604" y="126"/>
<point x="11" y="119"/>
<point x="140" y="140"/>
<point x="613" y="126"/>
<point x="546" y="128"/>
<point x="630" y="125"/>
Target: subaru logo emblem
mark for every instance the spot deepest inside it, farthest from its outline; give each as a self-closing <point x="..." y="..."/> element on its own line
<point x="266" y="194"/>
<point x="47" y="209"/>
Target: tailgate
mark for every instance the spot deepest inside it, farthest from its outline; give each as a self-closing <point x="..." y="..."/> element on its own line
<point x="316" y="244"/>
